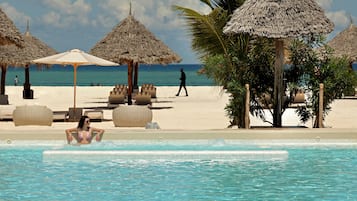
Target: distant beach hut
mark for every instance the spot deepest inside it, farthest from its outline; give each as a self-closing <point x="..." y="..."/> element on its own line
<point x="33" y="48"/>
<point x="9" y="34"/>
<point x="279" y="20"/>
<point x="132" y="44"/>
<point x="345" y="43"/>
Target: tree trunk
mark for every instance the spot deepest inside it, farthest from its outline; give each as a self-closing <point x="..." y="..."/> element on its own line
<point x="321" y="107"/>
<point x="247" y="106"/>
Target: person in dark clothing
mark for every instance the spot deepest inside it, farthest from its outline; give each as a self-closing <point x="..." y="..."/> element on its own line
<point x="183" y="83"/>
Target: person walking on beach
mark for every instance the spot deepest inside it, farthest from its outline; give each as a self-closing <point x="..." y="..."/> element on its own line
<point x="84" y="133"/>
<point x="182" y="83"/>
<point x="16" y="80"/>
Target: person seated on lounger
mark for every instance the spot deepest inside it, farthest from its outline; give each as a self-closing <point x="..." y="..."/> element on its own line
<point x="84" y="133"/>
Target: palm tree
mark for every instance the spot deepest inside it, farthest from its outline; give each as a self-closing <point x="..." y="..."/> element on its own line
<point x="222" y="55"/>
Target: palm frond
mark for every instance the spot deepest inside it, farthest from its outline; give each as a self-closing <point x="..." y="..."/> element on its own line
<point x="208" y="3"/>
<point x="206" y="30"/>
<point x="229" y="5"/>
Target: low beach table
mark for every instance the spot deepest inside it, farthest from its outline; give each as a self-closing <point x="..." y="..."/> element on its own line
<point x="4" y="100"/>
<point x="75" y="114"/>
<point x="94" y="115"/>
<point x="60" y="116"/>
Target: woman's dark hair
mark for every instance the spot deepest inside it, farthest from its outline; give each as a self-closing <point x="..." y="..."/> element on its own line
<point x="81" y="121"/>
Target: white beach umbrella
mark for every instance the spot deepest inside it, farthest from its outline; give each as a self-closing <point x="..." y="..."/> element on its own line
<point x="76" y="58"/>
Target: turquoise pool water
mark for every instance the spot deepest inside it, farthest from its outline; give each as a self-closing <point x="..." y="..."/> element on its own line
<point x="300" y="171"/>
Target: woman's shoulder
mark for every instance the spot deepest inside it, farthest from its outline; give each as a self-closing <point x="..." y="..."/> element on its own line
<point x="72" y="129"/>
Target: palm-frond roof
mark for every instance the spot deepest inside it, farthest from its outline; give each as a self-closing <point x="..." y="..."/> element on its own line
<point x="131" y="41"/>
<point x="33" y="48"/>
<point x="9" y="34"/>
<point x="279" y="19"/>
<point x="345" y="43"/>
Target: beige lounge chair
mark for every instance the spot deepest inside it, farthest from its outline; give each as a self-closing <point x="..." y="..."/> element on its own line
<point x="116" y="98"/>
<point x="142" y="98"/>
<point x="299" y="97"/>
<point x="149" y="88"/>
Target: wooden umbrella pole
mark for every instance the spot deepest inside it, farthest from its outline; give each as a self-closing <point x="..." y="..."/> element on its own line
<point x="136" y="75"/>
<point x="130" y="81"/>
<point x="74" y="85"/>
<point x="27" y="74"/>
<point x="278" y="83"/>
<point x="3" y="77"/>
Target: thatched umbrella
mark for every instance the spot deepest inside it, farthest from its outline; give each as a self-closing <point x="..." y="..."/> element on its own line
<point x="279" y="19"/>
<point x="9" y="34"/>
<point x="131" y="43"/>
<point x="345" y="43"/>
<point x="11" y="55"/>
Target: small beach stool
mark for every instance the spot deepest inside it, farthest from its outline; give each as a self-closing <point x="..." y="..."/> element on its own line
<point x="94" y="115"/>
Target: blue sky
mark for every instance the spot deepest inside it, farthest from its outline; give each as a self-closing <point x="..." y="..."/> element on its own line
<point x="68" y="24"/>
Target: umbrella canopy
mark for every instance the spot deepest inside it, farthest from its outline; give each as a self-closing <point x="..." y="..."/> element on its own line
<point x="9" y="34"/>
<point x="345" y="43"/>
<point x="279" y="19"/>
<point x="131" y="43"/>
<point x="76" y="58"/>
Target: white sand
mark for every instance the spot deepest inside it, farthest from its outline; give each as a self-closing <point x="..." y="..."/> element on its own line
<point x="201" y="112"/>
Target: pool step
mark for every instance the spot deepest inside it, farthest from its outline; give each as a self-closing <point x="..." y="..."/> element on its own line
<point x="166" y="155"/>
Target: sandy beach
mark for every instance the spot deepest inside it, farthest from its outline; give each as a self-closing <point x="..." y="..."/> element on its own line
<point x="201" y="115"/>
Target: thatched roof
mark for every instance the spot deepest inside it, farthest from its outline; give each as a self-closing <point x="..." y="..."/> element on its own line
<point x="131" y="41"/>
<point x="33" y="49"/>
<point x="279" y="19"/>
<point x="345" y="43"/>
<point x="9" y="34"/>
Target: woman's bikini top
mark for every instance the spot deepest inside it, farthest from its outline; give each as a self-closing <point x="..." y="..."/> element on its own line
<point x="84" y="134"/>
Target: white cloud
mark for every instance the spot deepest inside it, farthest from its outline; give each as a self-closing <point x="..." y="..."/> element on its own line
<point x="325" y="4"/>
<point x="67" y="13"/>
<point x="52" y="18"/>
<point x="339" y="18"/>
<point x="16" y="16"/>
<point x="152" y="13"/>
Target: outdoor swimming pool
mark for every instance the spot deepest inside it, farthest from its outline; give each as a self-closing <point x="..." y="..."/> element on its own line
<point x="192" y="170"/>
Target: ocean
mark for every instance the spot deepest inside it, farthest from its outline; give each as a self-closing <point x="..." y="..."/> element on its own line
<point x="159" y="75"/>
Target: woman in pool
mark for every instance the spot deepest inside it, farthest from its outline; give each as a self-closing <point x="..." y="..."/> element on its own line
<point x="84" y="133"/>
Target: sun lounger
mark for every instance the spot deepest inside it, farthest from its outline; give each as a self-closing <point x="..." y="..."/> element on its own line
<point x="265" y="101"/>
<point x="142" y="98"/>
<point x="149" y="88"/>
<point x="298" y="100"/>
<point x="117" y="95"/>
<point x="116" y="99"/>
